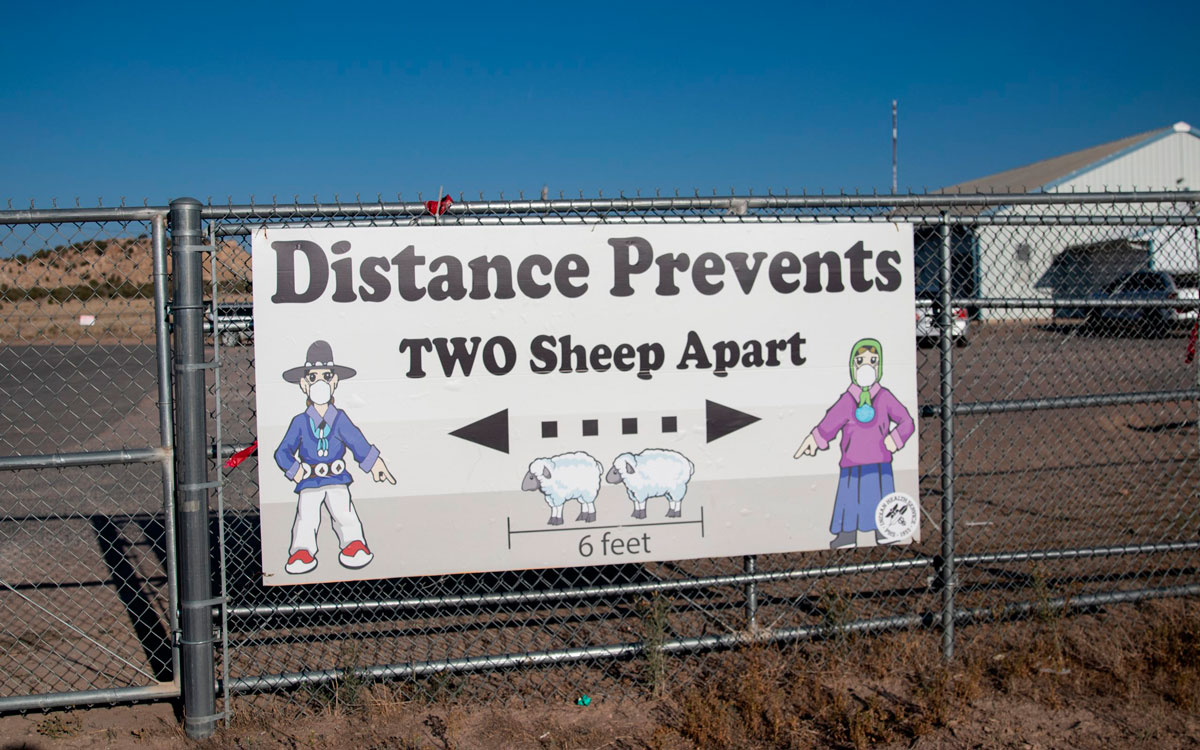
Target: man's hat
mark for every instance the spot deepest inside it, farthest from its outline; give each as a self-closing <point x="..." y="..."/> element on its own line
<point x="320" y="356"/>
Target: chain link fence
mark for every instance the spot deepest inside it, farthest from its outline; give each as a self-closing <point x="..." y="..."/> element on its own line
<point x="87" y="546"/>
<point x="1059" y="468"/>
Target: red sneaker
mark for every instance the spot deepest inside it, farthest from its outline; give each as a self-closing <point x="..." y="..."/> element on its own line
<point x="355" y="555"/>
<point x="301" y="561"/>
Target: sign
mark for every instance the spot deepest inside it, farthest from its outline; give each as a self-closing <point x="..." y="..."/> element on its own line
<point x="446" y="399"/>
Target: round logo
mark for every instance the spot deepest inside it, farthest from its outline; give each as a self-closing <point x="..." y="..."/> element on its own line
<point x="896" y="517"/>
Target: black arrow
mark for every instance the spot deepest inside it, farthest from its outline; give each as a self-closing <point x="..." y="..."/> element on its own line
<point x="722" y="420"/>
<point x="490" y="432"/>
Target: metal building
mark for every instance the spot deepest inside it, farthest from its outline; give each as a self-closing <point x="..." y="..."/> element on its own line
<point x="1059" y="262"/>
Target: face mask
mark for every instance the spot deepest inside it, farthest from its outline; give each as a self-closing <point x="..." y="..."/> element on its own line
<point x="320" y="392"/>
<point x="865" y="376"/>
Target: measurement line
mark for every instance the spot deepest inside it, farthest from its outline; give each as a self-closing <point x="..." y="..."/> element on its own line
<point x="568" y="528"/>
<point x="660" y="523"/>
<point x="509" y="529"/>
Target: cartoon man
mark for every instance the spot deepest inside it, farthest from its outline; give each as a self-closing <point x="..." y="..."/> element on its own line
<point x="874" y="425"/>
<point x="312" y="455"/>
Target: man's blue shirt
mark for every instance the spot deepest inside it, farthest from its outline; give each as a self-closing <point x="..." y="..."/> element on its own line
<point x="300" y="446"/>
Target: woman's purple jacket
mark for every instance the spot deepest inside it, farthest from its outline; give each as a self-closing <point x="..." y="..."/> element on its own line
<point x="862" y="442"/>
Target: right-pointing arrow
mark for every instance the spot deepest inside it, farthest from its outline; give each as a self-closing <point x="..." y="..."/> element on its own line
<point x="721" y="420"/>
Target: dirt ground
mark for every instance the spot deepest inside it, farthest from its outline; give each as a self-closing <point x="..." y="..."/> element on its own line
<point x="1128" y="676"/>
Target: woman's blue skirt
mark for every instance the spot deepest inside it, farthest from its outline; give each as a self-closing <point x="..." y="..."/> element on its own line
<point x="860" y="488"/>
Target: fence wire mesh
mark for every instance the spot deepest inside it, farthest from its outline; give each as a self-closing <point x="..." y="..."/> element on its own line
<point x="1073" y="445"/>
<point x="85" y="597"/>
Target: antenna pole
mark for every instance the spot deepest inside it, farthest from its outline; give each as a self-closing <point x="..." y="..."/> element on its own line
<point x="895" y="134"/>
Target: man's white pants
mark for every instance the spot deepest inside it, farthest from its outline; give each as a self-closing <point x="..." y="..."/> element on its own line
<point x="335" y="497"/>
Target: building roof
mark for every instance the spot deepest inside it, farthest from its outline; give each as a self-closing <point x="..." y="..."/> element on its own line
<point x="1045" y="174"/>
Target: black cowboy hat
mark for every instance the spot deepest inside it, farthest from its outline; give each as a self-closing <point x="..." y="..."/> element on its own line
<point x="320" y="356"/>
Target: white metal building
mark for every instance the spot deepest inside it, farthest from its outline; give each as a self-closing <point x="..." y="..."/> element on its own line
<point x="1074" y="262"/>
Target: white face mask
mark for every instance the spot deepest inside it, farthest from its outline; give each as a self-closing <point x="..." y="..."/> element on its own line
<point x="320" y="392"/>
<point x="865" y="376"/>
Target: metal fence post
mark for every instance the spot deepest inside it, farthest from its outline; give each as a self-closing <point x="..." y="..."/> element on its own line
<point x="197" y="676"/>
<point x="166" y="426"/>
<point x="750" y="565"/>
<point x="945" y="571"/>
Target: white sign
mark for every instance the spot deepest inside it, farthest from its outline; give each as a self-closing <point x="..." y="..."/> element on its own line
<point x="446" y="399"/>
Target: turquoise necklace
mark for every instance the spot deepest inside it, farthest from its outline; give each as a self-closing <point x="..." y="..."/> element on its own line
<point x="321" y="433"/>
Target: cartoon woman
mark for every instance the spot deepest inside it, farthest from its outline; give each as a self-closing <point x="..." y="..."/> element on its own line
<point x="311" y="454"/>
<point x="874" y="425"/>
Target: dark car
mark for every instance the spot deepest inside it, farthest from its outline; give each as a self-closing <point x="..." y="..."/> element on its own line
<point x="1155" y="320"/>
<point x="234" y="322"/>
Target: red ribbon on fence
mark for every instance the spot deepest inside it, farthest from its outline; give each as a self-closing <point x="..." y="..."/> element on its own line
<point x="1191" y="350"/>
<point x="236" y="459"/>
<point x="437" y="208"/>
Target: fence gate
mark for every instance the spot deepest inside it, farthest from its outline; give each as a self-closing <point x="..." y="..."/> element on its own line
<point x="87" y="545"/>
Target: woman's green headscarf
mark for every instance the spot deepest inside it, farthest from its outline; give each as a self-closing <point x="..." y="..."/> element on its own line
<point x="864" y="398"/>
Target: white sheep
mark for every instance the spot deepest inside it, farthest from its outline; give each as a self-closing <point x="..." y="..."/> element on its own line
<point x="568" y="476"/>
<point x="653" y="473"/>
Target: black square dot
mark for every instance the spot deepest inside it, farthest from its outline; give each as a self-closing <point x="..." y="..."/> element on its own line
<point x="591" y="427"/>
<point x="629" y="426"/>
<point x="549" y="429"/>
<point x="670" y="424"/>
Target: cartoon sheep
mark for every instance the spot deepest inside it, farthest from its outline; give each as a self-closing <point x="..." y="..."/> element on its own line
<point x="568" y="476"/>
<point x="653" y="473"/>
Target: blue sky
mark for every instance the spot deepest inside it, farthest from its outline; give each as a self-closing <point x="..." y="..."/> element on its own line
<point x="150" y="102"/>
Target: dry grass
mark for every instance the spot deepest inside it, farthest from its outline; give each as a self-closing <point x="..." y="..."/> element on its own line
<point x="1142" y="665"/>
<point x="880" y="691"/>
<point x="1125" y="676"/>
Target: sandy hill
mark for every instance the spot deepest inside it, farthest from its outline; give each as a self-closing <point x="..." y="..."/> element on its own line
<point x="114" y="261"/>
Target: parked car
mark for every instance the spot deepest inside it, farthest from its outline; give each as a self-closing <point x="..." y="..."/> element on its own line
<point x="1152" y="321"/>
<point x="234" y="322"/>
<point x="928" y="331"/>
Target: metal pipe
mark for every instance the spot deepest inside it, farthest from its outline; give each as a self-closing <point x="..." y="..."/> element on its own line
<point x="1042" y="303"/>
<point x="88" y="458"/>
<point x="166" y="428"/>
<point x="750" y="563"/>
<point x="945" y="565"/>
<point x="1196" y="330"/>
<point x="623" y="205"/>
<point x="197" y="677"/>
<point x="575" y="218"/>
<point x="222" y="562"/>
<point x="1063" y="402"/>
<point x="687" y="645"/>
<point x="417" y="209"/>
<point x="80" y="215"/>
<point x="1077" y="601"/>
<point x="988" y="558"/>
<point x="225" y="450"/>
<point x="1076" y="220"/>
<point x="555" y="595"/>
<point x="161" y="691"/>
<point x="564" y="656"/>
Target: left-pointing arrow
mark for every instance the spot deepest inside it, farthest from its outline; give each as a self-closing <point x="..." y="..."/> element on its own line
<point x="490" y="432"/>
